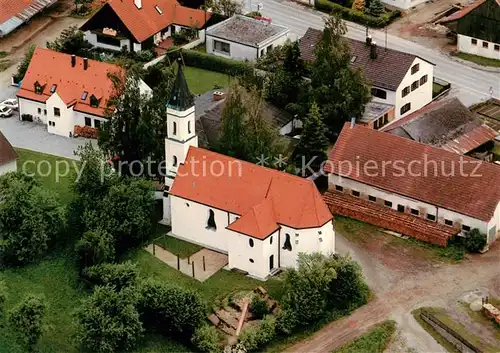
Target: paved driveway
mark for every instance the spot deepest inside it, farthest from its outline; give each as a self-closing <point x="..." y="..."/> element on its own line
<point x="35" y="137"/>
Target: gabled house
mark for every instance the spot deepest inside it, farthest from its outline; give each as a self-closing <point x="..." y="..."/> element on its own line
<point x="261" y="218"/>
<point x="399" y="79"/>
<point x="64" y="91"/>
<point x="8" y="156"/>
<point x="478" y="28"/>
<point x="136" y="25"/>
<point x="412" y="188"/>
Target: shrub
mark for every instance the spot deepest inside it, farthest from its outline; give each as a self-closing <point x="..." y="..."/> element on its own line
<point x="475" y="241"/>
<point x="118" y="276"/>
<point x="170" y="309"/>
<point x="206" y="339"/>
<point x="86" y="131"/>
<point x="3" y="298"/>
<point x="211" y="62"/>
<point x="286" y="322"/>
<point x="254" y="338"/>
<point x="145" y="55"/>
<point x="259" y="307"/>
<point x="94" y="248"/>
<point x="27" y="320"/>
<point x="108" y="321"/>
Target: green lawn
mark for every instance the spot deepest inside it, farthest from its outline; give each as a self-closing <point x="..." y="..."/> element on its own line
<point x="201" y="81"/>
<point x="374" y="341"/>
<point x="177" y="247"/>
<point x="480" y="60"/>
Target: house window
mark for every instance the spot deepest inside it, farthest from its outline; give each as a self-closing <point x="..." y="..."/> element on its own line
<point x="53" y="88"/>
<point x="423" y="80"/>
<point x="38" y="88"/>
<point x="448" y="222"/>
<point x="271" y="240"/>
<point x="250" y="242"/>
<point x="296" y="241"/>
<point x="94" y="102"/>
<point x="496" y="47"/>
<point x="388" y="203"/>
<point x="401" y="208"/>
<point x="269" y="48"/>
<point x="386" y="118"/>
<point x="251" y="260"/>
<point x="465" y="228"/>
<point x="405" y="91"/>
<point x="372" y="198"/>
<point x="51" y="123"/>
<point x="473" y="41"/>
<point x="45" y="112"/>
<point x="187" y="204"/>
<point x="353" y="60"/>
<point x="485" y="44"/>
<point x="262" y="52"/>
<point x="57" y="112"/>
<point x="39" y="110"/>
<point x="222" y="47"/>
<point x="159" y="10"/>
<point x="88" y="121"/>
<point x="174" y="130"/>
<point x="174" y="161"/>
<point x="355" y="193"/>
<point x="415" y="212"/>
<point x="405" y="108"/>
<point x="414" y="85"/>
<point x="288" y="244"/>
<point x="189" y="127"/>
<point x="379" y="93"/>
<point x="211" y="220"/>
<point x="415" y="68"/>
<point x="375" y="125"/>
<point x="84" y="95"/>
<point x="97" y="124"/>
<point x="339" y="188"/>
<point x="431" y="217"/>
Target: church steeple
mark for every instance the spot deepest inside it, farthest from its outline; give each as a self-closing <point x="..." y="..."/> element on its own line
<point x="181" y="98"/>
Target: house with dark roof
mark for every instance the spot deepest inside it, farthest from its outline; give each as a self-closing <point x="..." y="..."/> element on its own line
<point x="477" y="28"/>
<point x="412" y="188"/>
<point x="14" y="13"/>
<point x="397" y="78"/>
<point x="447" y="124"/>
<point x="244" y="38"/>
<point x="67" y="92"/>
<point x="137" y="25"/>
<point x="8" y="156"/>
<point x="260" y="217"/>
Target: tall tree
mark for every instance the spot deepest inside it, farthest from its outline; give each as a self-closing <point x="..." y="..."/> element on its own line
<point x="225" y="7"/>
<point x="232" y="138"/>
<point x="313" y="143"/>
<point x="339" y="90"/>
<point x="375" y="8"/>
<point x="71" y="41"/>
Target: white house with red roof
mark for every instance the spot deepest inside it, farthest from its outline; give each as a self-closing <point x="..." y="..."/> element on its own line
<point x="64" y="91"/>
<point x="261" y="218"/>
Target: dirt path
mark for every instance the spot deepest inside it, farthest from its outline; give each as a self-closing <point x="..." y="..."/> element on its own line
<point x="398" y="295"/>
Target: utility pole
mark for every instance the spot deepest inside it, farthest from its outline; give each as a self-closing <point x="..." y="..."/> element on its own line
<point x="385" y="37"/>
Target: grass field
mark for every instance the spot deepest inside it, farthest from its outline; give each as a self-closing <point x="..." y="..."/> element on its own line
<point x="480" y="60"/>
<point x="177" y="247"/>
<point x="201" y="81"/>
<point x="374" y="341"/>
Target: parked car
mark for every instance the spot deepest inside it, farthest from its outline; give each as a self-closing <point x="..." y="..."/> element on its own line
<point x="11" y="103"/>
<point x="5" y="112"/>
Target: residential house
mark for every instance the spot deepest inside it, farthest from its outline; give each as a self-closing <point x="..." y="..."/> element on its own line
<point x="399" y="79"/>
<point x="377" y="115"/>
<point x="14" y="13"/>
<point x="65" y="91"/>
<point x="477" y="28"/>
<point x="412" y="188"/>
<point x="447" y="124"/>
<point x="261" y="218"/>
<point x="136" y="25"/>
<point x="244" y="38"/>
<point x="8" y="156"/>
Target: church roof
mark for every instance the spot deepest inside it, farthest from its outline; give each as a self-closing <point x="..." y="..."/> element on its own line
<point x="263" y="198"/>
<point x="181" y="98"/>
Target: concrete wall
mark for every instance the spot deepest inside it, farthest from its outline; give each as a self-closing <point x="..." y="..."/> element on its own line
<point x="8" y="167"/>
<point x="30" y="107"/>
<point x="92" y="38"/>
<point x="464" y="45"/>
<point x="419" y="97"/>
<point x="494" y="226"/>
<point x="63" y="124"/>
<point x="79" y="119"/>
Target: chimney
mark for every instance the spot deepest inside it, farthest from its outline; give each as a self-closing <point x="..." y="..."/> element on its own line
<point x="373" y="50"/>
<point x="85" y="63"/>
<point x="353" y="122"/>
<point x="368" y="40"/>
<point x="138" y="4"/>
<point x="73" y="60"/>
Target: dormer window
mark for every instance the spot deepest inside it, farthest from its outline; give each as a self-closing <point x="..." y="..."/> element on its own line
<point x="353" y="59"/>
<point x="38" y="88"/>
<point x="84" y="95"/>
<point x="53" y="88"/>
<point x="94" y="102"/>
<point x="159" y="10"/>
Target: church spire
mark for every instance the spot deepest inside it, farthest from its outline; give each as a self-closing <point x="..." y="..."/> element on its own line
<point x="181" y="98"/>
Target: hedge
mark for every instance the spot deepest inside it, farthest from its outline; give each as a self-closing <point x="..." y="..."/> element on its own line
<point x="357" y="16"/>
<point x="211" y="62"/>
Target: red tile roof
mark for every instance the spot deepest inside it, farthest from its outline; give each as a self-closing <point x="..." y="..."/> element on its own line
<point x="461" y="13"/>
<point x="468" y="191"/>
<point x="49" y="67"/>
<point x="263" y="197"/>
<point x="7" y="152"/>
<point x="147" y="21"/>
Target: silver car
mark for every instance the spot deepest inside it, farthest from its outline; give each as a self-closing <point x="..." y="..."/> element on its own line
<point x="10" y="103"/>
<point x="5" y="112"/>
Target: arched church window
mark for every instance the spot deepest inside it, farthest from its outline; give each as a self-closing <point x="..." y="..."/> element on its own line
<point x="189" y="127"/>
<point x="174" y="130"/>
<point x="250" y="242"/>
<point x="288" y="244"/>
<point x="211" y="220"/>
<point x="174" y="162"/>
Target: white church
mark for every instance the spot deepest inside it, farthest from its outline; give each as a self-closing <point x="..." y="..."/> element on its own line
<point x="261" y="218"/>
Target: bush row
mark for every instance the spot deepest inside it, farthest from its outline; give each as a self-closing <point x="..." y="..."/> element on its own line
<point x="357" y="16"/>
<point x="211" y="62"/>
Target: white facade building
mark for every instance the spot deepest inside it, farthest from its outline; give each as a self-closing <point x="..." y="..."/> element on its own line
<point x="403" y="4"/>
<point x="475" y="46"/>
<point x="244" y="38"/>
<point x="261" y="218"/>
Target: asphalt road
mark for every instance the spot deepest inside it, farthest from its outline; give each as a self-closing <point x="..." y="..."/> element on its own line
<point x="470" y="85"/>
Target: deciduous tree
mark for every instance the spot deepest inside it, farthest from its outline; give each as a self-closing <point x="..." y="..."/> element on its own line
<point x="95" y="247"/>
<point x="225" y="7"/>
<point x="71" y="41"/>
